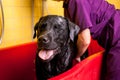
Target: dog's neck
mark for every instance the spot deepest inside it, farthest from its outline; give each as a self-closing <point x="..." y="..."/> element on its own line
<point x="61" y="60"/>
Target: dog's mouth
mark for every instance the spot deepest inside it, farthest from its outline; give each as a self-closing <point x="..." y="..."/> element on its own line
<point x="46" y="55"/>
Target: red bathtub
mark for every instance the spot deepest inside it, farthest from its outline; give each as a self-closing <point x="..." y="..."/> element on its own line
<point x="17" y="63"/>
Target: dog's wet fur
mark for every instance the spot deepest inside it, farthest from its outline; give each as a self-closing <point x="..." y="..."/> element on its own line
<point x="56" y="38"/>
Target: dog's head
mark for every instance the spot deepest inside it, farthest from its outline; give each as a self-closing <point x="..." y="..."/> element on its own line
<point x="53" y="32"/>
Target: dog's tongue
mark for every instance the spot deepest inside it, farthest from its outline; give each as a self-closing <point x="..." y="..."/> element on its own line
<point x="45" y="54"/>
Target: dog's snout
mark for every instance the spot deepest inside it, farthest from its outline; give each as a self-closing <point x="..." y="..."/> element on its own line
<point x="44" y="39"/>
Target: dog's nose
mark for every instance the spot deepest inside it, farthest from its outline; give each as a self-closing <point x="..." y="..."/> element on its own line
<point x="44" y="39"/>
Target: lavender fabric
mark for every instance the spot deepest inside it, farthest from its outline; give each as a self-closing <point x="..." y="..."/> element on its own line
<point x="103" y="20"/>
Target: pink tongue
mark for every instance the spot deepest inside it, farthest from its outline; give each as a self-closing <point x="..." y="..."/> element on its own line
<point x="45" y="54"/>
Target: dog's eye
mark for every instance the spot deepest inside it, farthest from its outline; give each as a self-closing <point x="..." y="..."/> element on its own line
<point x="58" y="29"/>
<point x="55" y="26"/>
<point x="43" y="26"/>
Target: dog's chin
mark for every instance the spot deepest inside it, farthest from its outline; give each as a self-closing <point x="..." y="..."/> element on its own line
<point x="46" y="55"/>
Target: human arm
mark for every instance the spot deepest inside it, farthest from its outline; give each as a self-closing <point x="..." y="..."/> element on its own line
<point x="79" y="13"/>
<point x="83" y="42"/>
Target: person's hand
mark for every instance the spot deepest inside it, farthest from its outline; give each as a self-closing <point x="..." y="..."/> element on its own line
<point x="78" y="59"/>
<point x="75" y="61"/>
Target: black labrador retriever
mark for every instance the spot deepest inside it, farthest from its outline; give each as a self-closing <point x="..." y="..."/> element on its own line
<point x="56" y="38"/>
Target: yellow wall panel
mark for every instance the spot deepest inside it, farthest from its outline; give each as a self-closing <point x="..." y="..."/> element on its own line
<point x="17" y="2"/>
<point x="115" y="2"/>
<point x="12" y="12"/>
<point x="53" y="7"/>
<point x="20" y="18"/>
<point x="18" y="22"/>
<point x="37" y="10"/>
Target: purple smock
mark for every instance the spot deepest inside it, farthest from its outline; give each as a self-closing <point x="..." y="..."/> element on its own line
<point x="103" y="20"/>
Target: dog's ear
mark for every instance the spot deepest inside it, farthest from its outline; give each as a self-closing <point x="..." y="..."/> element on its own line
<point x="74" y="30"/>
<point x="36" y="27"/>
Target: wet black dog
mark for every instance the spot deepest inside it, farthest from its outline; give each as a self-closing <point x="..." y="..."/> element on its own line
<point x="56" y="37"/>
